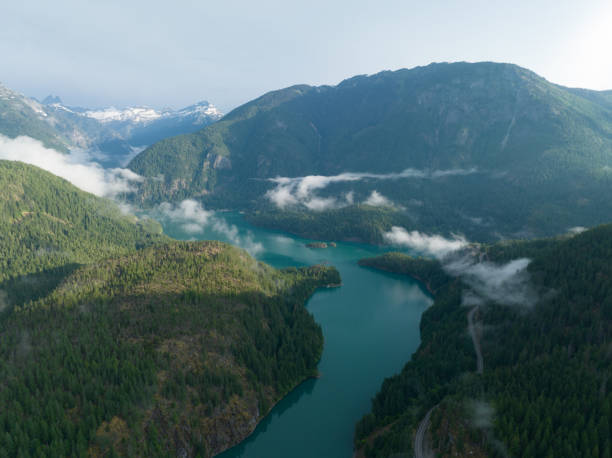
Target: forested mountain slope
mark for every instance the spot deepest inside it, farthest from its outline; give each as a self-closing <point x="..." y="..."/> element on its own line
<point x="175" y="350"/>
<point x="48" y="227"/>
<point x="491" y="148"/>
<point x="545" y="389"/>
<point x="116" y="340"/>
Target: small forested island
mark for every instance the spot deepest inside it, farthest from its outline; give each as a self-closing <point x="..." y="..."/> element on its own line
<point x="544" y="388"/>
<point x="316" y="245"/>
<point x="321" y="245"/>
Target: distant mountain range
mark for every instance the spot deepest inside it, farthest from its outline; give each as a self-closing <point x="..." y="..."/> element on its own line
<point x="115" y="133"/>
<point x="486" y="149"/>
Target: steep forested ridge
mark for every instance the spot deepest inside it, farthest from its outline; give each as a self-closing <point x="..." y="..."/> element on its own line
<point x="530" y="157"/>
<point x="116" y="340"/>
<point x="48" y="227"/>
<point x="545" y="389"/>
<point x="177" y="349"/>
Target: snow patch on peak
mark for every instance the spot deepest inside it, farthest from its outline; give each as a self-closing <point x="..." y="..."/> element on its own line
<point x="5" y="92"/>
<point x="133" y="114"/>
<point x="8" y="94"/>
<point x="145" y="115"/>
<point x="203" y="108"/>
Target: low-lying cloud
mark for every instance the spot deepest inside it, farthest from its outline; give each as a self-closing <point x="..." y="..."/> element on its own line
<point x="76" y="167"/>
<point x="482" y="413"/>
<point x="189" y="214"/>
<point x="506" y="284"/>
<point x="194" y="219"/>
<point x="576" y="230"/>
<point x="302" y="190"/>
<point x="435" y="245"/>
<point x="376" y="199"/>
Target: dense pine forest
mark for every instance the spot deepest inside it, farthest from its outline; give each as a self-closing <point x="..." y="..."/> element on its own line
<point x="361" y="223"/>
<point x="116" y="340"/>
<point x="545" y="389"/>
<point x="176" y="349"/>
<point x="48" y="227"/>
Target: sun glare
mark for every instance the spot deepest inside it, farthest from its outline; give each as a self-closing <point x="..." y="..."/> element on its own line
<point x="590" y="52"/>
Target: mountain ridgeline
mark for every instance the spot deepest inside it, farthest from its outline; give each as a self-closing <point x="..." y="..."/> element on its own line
<point x="20" y="115"/>
<point x="496" y="149"/>
<point x="115" y="339"/>
<point x="544" y="386"/>
<point x="48" y="227"/>
<point x="112" y="133"/>
<point x="174" y="350"/>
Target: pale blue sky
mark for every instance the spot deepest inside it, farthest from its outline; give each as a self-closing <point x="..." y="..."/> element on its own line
<point x="173" y="53"/>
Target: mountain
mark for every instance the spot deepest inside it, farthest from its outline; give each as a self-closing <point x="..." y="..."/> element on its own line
<point x="48" y="227"/>
<point x="514" y="360"/>
<point x="115" y="134"/>
<point x="115" y="339"/>
<point x="486" y="149"/>
<point x="20" y="115"/>
<point x="178" y="349"/>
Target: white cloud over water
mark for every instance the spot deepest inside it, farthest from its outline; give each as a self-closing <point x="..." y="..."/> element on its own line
<point x="506" y="284"/>
<point x="435" y="245"/>
<point x="76" y="167"/>
<point x="194" y="220"/>
<point x="302" y="190"/>
<point x="189" y="212"/>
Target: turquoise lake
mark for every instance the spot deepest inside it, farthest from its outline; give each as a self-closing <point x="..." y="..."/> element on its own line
<point x="370" y="326"/>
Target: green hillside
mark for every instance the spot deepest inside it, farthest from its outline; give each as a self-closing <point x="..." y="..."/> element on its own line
<point x="48" y="227"/>
<point x="545" y="389"/>
<point x="175" y="350"/>
<point x="530" y="157"/>
<point x="116" y="340"/>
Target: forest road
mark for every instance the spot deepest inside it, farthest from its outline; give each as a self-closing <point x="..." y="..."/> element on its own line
<point x="419" y="438"/>
<point x="472" y="328"/>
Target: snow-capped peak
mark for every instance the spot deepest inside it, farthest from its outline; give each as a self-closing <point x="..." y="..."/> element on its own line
<point x="133" y="114"/>
<point x="52" y="100"/>
<point x="5" y="92"/>
<point x="8" y="94"/>
<point x="202" y="108"/>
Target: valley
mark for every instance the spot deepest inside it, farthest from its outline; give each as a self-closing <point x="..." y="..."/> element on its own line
<point x="412" y="261"/>
<point x="370" y="326"/>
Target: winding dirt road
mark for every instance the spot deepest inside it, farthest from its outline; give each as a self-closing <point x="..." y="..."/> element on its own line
<point x="419" y="438"/>
<point x="472" y="328"/>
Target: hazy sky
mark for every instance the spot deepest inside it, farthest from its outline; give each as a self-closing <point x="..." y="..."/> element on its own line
<point x="173" y="53"/>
